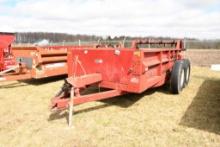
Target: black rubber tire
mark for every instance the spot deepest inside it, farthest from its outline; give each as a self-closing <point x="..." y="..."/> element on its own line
<point x="187" y="70"/>
<point x="176" y="81"/>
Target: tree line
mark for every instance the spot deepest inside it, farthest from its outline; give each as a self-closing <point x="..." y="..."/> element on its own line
<point x="34" y="37"/>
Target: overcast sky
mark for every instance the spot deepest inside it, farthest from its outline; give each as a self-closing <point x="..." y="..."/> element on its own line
<point x="172" y="18"/>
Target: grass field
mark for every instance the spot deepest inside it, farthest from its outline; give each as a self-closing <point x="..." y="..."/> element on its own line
<point x="154" y="118"/>
<point x="203" y="57"/>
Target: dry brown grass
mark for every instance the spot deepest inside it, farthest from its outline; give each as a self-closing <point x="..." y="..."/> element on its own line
<point x="154" y="118"/>
<point x="203" y="57"/>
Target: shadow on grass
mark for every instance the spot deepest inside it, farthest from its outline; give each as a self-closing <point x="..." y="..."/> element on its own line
<point x="13" y="85"/>
<point x="35" y="82"/>
<point x="123" y="101"/>
<point x="45" y="80"/>
<point x="129" y="99"/>
<point x="204" y="111"/>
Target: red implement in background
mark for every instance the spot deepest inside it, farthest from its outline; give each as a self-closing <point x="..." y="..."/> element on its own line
<point x="35" y="62"/>
<point x="6" y="58"/>
<point x="146" y="64"/>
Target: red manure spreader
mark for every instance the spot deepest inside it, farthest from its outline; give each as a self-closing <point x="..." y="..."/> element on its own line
<point x="121" y="70"/>
<point x="30" y="62"/>
<point x="36" y="62"/>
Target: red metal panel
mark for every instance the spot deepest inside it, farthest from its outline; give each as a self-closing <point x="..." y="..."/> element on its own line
<point x="112" y="67"/>
<point x="6" y="39"/>
<point x="6" y="60"/>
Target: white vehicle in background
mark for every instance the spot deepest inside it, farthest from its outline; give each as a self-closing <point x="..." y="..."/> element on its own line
<point x="215" y="67"/>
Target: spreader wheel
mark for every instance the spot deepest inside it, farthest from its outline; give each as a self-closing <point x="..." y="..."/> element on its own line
<point x="177" y="79"/>
<point x="187" y="70"/>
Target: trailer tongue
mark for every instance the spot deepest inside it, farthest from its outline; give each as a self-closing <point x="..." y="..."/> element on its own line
<point x="146" y="64"/>
<point x="60" y="102"/>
